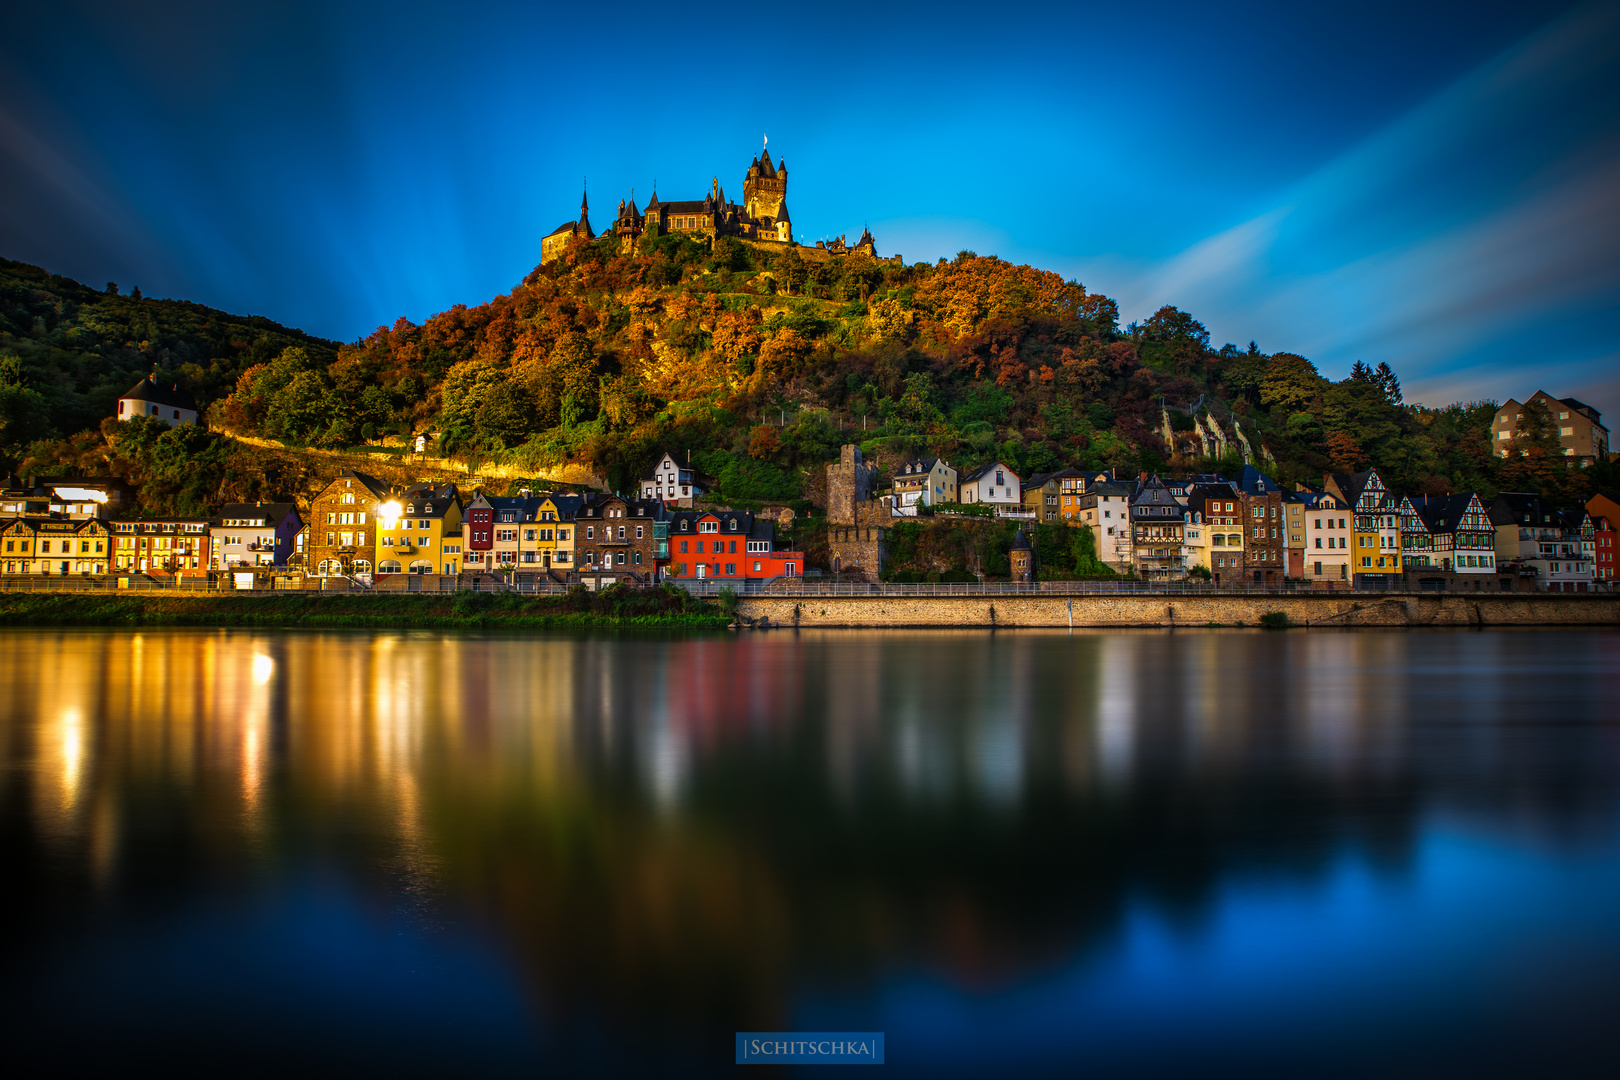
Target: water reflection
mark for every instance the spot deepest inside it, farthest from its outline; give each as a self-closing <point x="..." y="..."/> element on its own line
<point x="675" y="838"/>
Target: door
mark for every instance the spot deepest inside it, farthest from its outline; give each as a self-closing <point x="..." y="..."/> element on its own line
<point x="703" y="570"/>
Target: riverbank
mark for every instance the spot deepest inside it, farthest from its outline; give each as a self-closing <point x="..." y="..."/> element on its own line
<point x="1164" y="611"/>
<point x="659" y="608"/>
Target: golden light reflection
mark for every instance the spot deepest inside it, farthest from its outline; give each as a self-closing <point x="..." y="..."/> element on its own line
<point x="70" y="743"/>
<point x="378" y="724"/>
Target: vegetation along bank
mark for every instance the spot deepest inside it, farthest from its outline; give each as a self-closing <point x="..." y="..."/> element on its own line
<point x="577" y="609"/>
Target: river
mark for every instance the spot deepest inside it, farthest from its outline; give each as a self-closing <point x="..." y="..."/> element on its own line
<point x="1027" y="853"/>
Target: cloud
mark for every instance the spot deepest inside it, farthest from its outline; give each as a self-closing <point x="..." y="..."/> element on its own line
<point x="1483" y="222"/>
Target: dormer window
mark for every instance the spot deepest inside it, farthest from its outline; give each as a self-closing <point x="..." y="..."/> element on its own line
<point x="685" y="525"/>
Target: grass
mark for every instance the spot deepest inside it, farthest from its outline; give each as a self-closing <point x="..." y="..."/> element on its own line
<point x="577" y="609"/>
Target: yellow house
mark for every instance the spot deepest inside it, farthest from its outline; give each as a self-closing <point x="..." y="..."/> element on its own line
<point x="54" y="547"/>
<point x="552" y="522"/>
<point x="1218" y="508"/>
<point x="1375" y="545"/>
<point x="413" y="529"/>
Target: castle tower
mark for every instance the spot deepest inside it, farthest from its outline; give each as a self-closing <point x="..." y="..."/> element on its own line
<point x="556" y="242"/>
<point x="765" y="189"/>
<point x="857" y="541"/>
<point x="1022" y="557"/>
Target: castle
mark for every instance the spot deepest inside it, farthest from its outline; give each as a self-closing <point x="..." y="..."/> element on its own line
<point x="761" y="218"/>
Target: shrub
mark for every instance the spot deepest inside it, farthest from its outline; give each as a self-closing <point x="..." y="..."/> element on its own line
<point x="1275" y="620"/>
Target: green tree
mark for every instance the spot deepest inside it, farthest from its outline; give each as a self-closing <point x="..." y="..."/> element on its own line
<point x="791" y="271"/>
<point x="1292" y="382"/>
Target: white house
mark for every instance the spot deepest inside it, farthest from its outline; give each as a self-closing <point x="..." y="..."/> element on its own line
<point x="253" y="534"/>
<point x="147" y="398"/>
<point x="669" y="482"/>
<point x="995" y="484"/>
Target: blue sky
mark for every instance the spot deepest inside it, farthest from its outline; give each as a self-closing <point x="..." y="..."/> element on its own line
<point x="1436" y="186"/>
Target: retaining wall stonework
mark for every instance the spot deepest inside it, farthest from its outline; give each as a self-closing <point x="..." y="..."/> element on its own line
<point x="1399" y="609"/>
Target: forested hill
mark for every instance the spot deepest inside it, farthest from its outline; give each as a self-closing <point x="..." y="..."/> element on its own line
<point x="67" y="351"/>
<point x="760" y="366"/>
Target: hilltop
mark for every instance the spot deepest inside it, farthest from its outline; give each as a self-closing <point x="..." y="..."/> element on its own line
<point x="759" y="363"/>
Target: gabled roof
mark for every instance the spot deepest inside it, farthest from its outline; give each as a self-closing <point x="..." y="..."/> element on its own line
<point x="983" y="469"/>
<point x="1200" y="493"/>
<point x="1313" y="500"/>
<point x="566" y="505"/>
<point x="428" y="491"/>
<point x="1251" y="481"/>
<point x="1154" y="494"/>
<point x="1522" y="508"/>
<point x="148" y="389"/>
<point x="370" y="483"/>
<point x="748" y="526"/>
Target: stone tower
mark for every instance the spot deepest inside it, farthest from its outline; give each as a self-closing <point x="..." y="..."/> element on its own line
<point x="856" y="536"/>
<point x="849" y="486"/>
<point x="765" y="189"/>
<point x="1022" y="557"/>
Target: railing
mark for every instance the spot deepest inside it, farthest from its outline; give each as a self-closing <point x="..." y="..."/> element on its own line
<point x="780" y="587"/>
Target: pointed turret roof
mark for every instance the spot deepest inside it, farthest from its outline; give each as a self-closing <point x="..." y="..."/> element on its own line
<point x="1020" y="542"/>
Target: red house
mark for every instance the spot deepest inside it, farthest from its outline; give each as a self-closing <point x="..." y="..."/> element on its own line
<point x="476" y="529"/>
<point x="726" y="545"/>
<point x="1605" y="510"/>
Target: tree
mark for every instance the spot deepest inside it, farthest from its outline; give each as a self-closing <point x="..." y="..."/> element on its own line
<point x="791" y="271"/>
<point x="1361" y="410"/>
<point x="1171" y="324"/>
<point x="861" y="275"/>
<point x="782" y="355"/>
<point x="1385" y="379"/>
<point x="1344" y="456"/>
<point x="731" y="254"/>
<point x="1292" y="382"/>
<point x="24" y="415"/>
<point x="764" y="444"/>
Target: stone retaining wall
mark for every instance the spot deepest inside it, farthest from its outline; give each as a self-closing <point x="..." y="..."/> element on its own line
<point x="1399" y="609"/>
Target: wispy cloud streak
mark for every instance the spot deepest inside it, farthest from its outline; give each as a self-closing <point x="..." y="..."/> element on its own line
<point x="1483" y="223"/>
